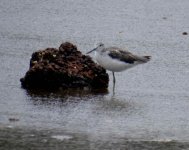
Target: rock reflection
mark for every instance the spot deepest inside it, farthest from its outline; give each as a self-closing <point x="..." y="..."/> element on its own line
<point x="63" y="96"/>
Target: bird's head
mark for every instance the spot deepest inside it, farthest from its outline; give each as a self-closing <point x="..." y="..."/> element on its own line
<point x="100" y="46"/>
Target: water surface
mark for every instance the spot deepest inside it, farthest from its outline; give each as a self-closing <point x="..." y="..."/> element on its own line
<point x="150" y="106"/>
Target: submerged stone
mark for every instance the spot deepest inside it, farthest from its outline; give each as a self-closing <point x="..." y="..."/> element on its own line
<point x="64" y="68"/>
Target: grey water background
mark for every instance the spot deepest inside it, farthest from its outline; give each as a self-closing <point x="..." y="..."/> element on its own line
<point x="149" y="109"/>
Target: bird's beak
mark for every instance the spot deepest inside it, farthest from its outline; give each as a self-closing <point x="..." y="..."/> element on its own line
<point x="91" y="51"/>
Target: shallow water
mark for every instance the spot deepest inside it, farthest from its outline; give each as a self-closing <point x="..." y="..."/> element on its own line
<point x="150" y="106"/>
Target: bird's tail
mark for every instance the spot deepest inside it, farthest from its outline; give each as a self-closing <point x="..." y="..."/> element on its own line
<point x="147" y="58"/>
<point x="144" y="59"/>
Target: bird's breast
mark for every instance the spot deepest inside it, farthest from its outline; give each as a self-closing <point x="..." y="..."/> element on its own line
<point x="112" y="64"/>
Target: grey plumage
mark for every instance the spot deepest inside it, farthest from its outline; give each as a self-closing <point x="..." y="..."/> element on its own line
<point x="126" y="56"/>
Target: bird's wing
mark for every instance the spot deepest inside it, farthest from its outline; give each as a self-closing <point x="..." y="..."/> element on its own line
<point x="124" y="56"/>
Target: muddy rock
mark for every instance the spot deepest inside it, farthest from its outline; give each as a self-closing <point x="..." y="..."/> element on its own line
<point x="64" y="68"/>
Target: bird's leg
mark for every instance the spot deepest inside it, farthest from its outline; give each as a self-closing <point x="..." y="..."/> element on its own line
<point x="113" y="82"/>
<point x="113" y="77"/>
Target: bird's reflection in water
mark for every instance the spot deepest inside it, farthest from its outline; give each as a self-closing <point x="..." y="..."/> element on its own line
<point x="114" y="104"/>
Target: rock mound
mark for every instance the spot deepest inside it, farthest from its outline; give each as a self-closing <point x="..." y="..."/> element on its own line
<point x="64" y="68"/>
